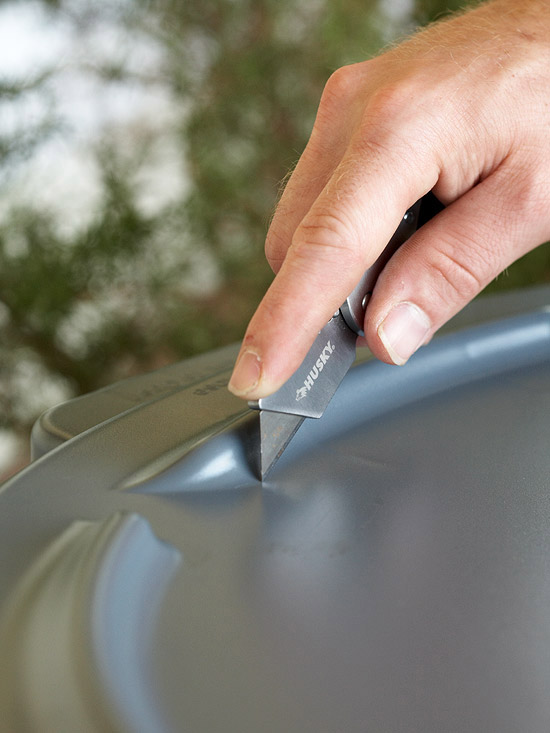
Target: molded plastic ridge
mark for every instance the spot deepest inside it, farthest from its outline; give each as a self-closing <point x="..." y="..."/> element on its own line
<point x="76" y="634"/>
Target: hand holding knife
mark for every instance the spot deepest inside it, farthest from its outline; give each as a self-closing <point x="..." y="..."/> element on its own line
<point x="312" y="386"/>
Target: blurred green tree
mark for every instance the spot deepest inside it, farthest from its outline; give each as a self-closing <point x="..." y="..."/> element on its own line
<point x="214" y="101"/>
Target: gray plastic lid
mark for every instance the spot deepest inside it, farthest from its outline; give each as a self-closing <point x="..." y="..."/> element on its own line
<point x="392" y="575"/>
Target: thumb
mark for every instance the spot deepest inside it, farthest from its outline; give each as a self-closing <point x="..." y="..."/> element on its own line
<point x="450" y="260"/>
<point x="338" y="239"/>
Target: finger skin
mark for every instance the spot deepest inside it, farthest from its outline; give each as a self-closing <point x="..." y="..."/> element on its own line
<point x="453" y="257"/>
<point x="462" y="108"/>
<point x="336" y="119"/>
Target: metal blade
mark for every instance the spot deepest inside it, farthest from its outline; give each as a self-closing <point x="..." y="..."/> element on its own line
<point x="311" y="387"/>
<point x="307" y="392"/>
<point x="276" y="431"/>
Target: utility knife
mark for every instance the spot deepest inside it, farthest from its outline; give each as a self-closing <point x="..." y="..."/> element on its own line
<point x="309" y="390"/>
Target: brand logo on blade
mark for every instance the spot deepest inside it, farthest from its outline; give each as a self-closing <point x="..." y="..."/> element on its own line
<point x="309" y="381"/>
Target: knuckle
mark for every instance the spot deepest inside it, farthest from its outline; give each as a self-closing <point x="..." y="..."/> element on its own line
<point x="396" y="114"/>
<point x="327" y="236"/>
<point x="458" y="271"/>
<point x="390" y="99"/>
<point x="401" y="100"/>
<point x="340" y="85"/>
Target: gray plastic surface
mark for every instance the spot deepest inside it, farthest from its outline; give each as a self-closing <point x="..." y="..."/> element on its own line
<point x="392" y="575"/>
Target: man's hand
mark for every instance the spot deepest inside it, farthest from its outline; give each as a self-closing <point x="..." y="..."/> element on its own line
<point x="462" y="109"/>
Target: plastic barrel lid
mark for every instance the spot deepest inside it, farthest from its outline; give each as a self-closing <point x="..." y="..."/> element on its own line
<point x="393" y="573"/>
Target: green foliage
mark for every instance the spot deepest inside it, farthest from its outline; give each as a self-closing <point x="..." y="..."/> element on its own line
<point x="128" y="286"/>
<point x="427" y="11"/>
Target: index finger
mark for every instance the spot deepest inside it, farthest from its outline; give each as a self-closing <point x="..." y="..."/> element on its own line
<point x="343" y="233"/>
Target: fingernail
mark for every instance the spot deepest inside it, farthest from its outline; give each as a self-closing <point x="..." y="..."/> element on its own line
<point x="403" y="330"/>
<point x="246" y="373"/>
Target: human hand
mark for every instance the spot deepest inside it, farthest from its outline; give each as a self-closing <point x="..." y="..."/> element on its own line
<point x="463" y="109"/>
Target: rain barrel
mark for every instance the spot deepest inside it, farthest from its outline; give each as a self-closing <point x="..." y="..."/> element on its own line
<point x="392" y="574"/>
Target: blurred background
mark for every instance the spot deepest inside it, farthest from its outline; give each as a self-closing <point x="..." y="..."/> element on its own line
<point x="142" y="149"/>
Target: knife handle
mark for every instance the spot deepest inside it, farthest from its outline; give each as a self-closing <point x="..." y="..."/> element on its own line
<point x="354" y="307"/>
